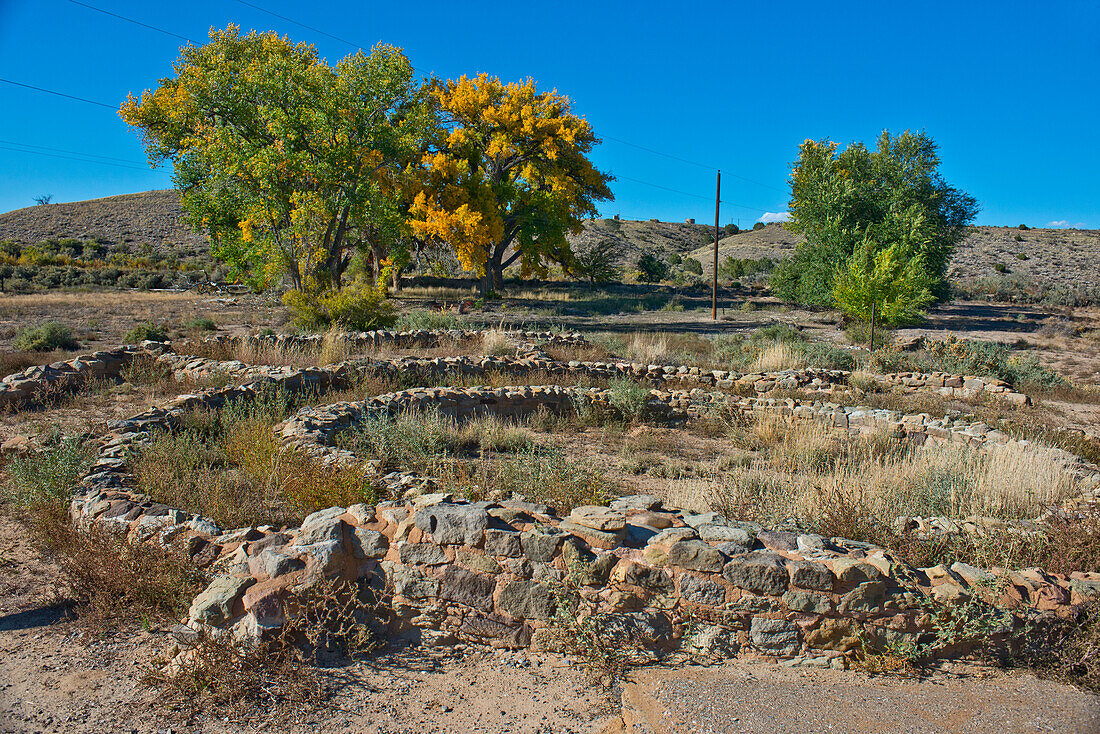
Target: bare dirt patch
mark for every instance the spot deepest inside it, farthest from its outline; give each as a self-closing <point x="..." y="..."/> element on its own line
<point x="762" y="697"/>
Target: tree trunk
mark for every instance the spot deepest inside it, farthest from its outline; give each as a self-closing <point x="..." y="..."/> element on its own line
<point x="871" y="341"/>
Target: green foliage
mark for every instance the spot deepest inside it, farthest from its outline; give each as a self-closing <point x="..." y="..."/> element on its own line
<point x="731" y="229"/>
<point x="982" y="358"/>
<point x="758" y="226"/>
<point x="148" y="331"/>
<point x="45" y="337"/>
<point x="46" y="477"/>
<point x="355" y="307"/>
<point x="598" y="262"/>
<point x="891" y="284"/>
<point x="288" y="163"/>
<point x="651" y="269"/>
<point x="691" y="265"/>
<point x="1021" y="256"/>
<point x="1000" y="267"/>
<point x="200" y="323"/>
<point x="733" y="268"/>
<point x="629" y="399"/>
<point x="675" y="259"/>
<point x="869" y="200"/>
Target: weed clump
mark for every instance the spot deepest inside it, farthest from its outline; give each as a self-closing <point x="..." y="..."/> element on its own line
<point x="45" y="338"/>
<point x="148" y="331"/>
<point x="111" y="580"/>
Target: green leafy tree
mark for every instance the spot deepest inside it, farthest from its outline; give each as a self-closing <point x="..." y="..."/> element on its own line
<point x="597" y="262"/>
<point x="842" y="201"/>
<point x="885" y="286"/>
<point x="290" y="164"/>
<point x="651" y="269"/>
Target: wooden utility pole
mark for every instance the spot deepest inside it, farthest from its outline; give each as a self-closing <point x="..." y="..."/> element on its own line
<point x="714" y="281"/>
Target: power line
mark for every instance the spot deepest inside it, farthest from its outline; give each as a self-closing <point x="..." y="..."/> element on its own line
<point x="76" y="152"/>
<point x="73" y="158"/>
<point x="606" y="137"/>
<point x="298" y="23"/>
<point x="131" y="20"/>
<point x="59" y="94"/>
<point x="354" y="45"/>
<point x="687" y="193"/>
<point x="689" y="162"/>
<point x="657" y="152"/>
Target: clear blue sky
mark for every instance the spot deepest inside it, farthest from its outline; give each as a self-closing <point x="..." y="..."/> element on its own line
<point x="1009" y="90"/>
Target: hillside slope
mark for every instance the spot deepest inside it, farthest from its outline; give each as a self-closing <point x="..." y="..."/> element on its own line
<point x="152" y="222"/>
<point x="1063" y="256"/>
<point x="149" y="218"/>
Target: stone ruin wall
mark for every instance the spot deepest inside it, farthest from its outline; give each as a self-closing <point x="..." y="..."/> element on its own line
<point x="488" y="573"/>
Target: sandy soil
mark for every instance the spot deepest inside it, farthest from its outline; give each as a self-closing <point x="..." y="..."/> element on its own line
<point x="765" y="698"/>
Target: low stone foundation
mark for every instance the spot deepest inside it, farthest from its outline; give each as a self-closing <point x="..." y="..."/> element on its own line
<point x="495" y="573"/>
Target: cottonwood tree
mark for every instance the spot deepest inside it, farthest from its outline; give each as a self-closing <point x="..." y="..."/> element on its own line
<point x="290" y="164"/>
<point x="509" y="177"/>
<point x="861" y="202"/>
<point x="884" y="285"/>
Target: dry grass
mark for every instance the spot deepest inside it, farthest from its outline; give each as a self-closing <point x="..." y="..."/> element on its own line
<point x="495" y="343"/>
<point x="334" y="346"/>
<point x="647" y="348"/>
<point x="273" y="680"/>
<point x="776" y="357"/>
<point x="11" y="305"/>
<point x="856" y="487"/>
<point x="230" y="467"/>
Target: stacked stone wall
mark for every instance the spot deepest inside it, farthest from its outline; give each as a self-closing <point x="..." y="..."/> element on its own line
<point x="493" y="572"/>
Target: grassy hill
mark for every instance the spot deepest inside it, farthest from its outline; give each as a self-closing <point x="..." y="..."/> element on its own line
<point x="999" y="261"/>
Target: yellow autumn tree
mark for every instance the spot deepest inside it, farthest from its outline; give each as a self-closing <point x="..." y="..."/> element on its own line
<point x="508" y="177"/>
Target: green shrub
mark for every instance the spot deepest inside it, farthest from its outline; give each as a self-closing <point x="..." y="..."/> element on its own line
<point x="148" y="331"/>
<point x="675" y="259"/>
<point x="1018" y="238"/>
<point x="981" y="358"/>
<point x="201" y="323"/>
<point x="45" y="337"/>
<point x="692" y="265"/>
<point x="757" y="226"/>
<point x="650" y="269"/>
<point x="1021" y="256"/>
<point x="354" y="307"/>
<point x="46" y="477"/>
<point x="628" y="398"/>
<point x="1000" y="267"/>
<point x="1024" y="226"/>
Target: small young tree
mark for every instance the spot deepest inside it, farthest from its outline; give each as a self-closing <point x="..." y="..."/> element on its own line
<point x="883" y="285"/>
<point x="598" y="261"/>
<point x="651" y="269"/>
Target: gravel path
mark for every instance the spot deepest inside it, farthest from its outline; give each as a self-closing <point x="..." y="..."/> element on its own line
<point x="762" y="698"/>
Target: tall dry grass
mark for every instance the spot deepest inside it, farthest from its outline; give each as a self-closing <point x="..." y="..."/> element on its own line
<point x="648" y="348"/>
<point x="810" y="473"/>
<point x="776" y="357"/>
<point x="495" y="343"/>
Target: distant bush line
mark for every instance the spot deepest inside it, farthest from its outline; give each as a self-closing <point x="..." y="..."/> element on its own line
<point x="68" y="262"/>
